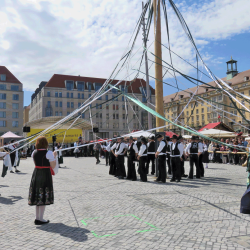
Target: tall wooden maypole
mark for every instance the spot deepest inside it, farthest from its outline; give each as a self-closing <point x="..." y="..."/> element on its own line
<point x="158" y="68"/>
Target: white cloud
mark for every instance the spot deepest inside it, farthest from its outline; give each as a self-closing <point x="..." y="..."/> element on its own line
<point x="43" y="37"/>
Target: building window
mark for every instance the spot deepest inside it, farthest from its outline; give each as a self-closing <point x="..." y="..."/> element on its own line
<point x="2" y="114"/>
<point x="202" y="110"/>
<point x="49" y="104"/>
<point x="83" y="115"/>
<point x="219" y="97"/>
<point x="107" y="97"/>
<point x="123" y="107"/>
<point x="60" y="94"/>
<point x="89" y="87"/>
<point x="60" y="104"/>
<point x="15" y="115"/>
<point x="56" y="113"/>
<point x="100" y="98"/>
<point x="98" y="86"/>
<point x="113" y="125"/>
<point x="187" y="113"/>
<point x="97" y="106"/>
<point x="107" y="125"/>
<point x="2" y="87"/>
<point x="2" y="123"/>
<point x="133" y="116"/>
<point x="14" y="88"/>
<point x="69" y="85"/>
<point x="79" y="104"/>
<point x="79" y="95"/>
<point x="80" y="86"/>
<point x="3" y="105"/>
<point x="72" y="105"/>
<point x="107" y="116"/>
<point x="68" y="113"/>
<point x="56" y="94"/>
<point x="60" y="113"/>
<point x="136" y="108"/>
<point x="208" y="116"/>
<point x="15" y="124"/>
<point x="15" y="97"/>
<point x="123" y="116"/>
<point x="3" y="78"/>
<point x="56" y="104"/>
<point x="192" y="118"/>
<point x="100" y="125"/>
<point x="82" y="96"/>
<point x="114" y="91"/>
<point x="113" y="116"/>
<point x="67" y="94"/>
<point x="197" y="111"/>
<point x="107" y="106"/>
<point x="68" y="104"/>
<point x="114" y="107"/>
<point x="48" y="93"/>
<point x="192" y="105"/>
<point x="117" y="107"/>
<point x="101" y="115"/>
<point x="117" y="116"/>
<point x="71" y="95"/>
<point x="123" y="98"/>
<point x="203" y="117"/>
<point x="97" y="115"/>
<point x="89" y="95"/>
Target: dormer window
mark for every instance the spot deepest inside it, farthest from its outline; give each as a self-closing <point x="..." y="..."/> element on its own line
<point x="172" y="99"/>
<point x="69" y="85"/>
<point x="80" y="86"/>
<point x="191" y="94"/>
<point x="180" y="96"/>
<point x="3" y="78"/>
<point x="246" y="78"/>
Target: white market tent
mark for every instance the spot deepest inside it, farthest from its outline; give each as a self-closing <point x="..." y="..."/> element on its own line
<point x="138" y="134"/>
<point x="187" y="136"/>
<point x="218" y="133"/>
<point x="8" y="136"/>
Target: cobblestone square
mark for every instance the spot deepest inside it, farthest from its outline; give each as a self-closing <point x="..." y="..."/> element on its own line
<point x="94" y="210"/>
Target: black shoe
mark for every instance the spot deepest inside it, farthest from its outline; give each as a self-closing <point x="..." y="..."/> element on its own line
<point x="38" y="222"/>
<point x="178" y="180"/>
<point x="198" y="177"/>
<point x="152" y="173"/>
<point x="172" y="180"/>
<point x="133" y="180"/>
<point x="120" y="177"/>
<point x="11" y="172"/>
<point x="190" y="178"/>
<point x="184" y="175"/>
<point x="17" y="171"/>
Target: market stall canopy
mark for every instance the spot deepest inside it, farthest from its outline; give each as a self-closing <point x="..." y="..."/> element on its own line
<point x="11" y="135"/>
<point x="218" y="133"/>
<point x="187" y="136"/>
<point x="170" y="134"/>
<point x="138" y="134"/>
<point x="218" y="126"/>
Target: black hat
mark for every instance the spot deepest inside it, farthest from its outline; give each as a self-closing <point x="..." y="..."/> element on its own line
<point x="193" y="137"/>
<point x="197" y="138"/>
<point x="151" y="137"/>
<point x="131" y="138"/>
<point x="158" y="136"/>
<point x="167" y="138"/>
<point x="180" y="137"/>
<point x="175" y="137"/>
<point x="143" y="139"/>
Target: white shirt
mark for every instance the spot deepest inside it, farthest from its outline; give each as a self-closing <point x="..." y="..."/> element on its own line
<point x="160" y="148"/>
<point x="120" y="151"/>
<point x="142" y="149"/>
<point x="169" y="143"/>
<point x="200" y="146"/>
<point x="180" y="147"/>
<point x="75" y="144"/>
<point x="108" y="148"/>
<point x="150" y="152"/>
<point x="134" y="147"/>
<point x="113" y="147"/>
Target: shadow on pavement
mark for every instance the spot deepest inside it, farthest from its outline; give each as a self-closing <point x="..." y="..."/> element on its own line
<point x="11" y="200"/>
<point x="74" y="233"/>
<point x="3" y="186"/>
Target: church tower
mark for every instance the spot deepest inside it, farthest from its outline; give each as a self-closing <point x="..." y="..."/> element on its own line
<point x="231" y="69"/>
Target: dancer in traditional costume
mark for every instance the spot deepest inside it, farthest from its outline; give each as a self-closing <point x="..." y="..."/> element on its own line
<point x="142" y="157"/>
<point x="119" y="161"/>
<point x="151" y="154"/>
<point x="41" y="191"/>
<point x="14" y="156"/>
<point x="132" y="154"/>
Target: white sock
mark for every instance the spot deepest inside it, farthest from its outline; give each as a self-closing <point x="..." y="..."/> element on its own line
<point x="41" y="213"/>
<point x="37" y="213"/>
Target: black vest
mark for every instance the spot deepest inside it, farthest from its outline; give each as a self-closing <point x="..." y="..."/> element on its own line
<point x="138" y="145"/>
<point x="176" y="151"/>
<point x="151" y="147"/>
<point x="194" y="148"/>
<point x="145" y="151"/>
<point x="40" y="159"/>
<point x="131" y="151"/>
<point x="164" y="148"/>
<point x="119" y="148"/>
<point x="167" y="147"/>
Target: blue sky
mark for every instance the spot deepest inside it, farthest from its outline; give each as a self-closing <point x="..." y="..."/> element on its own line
<point x="41" y="38"/>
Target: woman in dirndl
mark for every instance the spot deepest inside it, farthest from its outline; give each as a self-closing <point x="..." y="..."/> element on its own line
<point x="41" y="191"/>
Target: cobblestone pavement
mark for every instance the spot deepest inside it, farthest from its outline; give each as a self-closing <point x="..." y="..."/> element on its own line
<point x="93" y="210"/>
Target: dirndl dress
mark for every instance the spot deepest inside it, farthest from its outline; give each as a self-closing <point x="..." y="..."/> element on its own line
<point x="41" y="186"/>
<point x="205" y="158"/>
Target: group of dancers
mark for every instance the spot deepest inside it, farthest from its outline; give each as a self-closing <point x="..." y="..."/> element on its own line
<point x="169" y="153"/>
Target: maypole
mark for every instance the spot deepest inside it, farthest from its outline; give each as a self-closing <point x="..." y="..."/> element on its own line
<point x="158" y="66"/>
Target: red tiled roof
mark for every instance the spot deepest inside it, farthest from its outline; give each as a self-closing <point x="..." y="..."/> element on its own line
<point x="58" y="81"/>
<point x="210" y="126"/>
<point x="9" y="76"/>
<point x="170" y="134"/>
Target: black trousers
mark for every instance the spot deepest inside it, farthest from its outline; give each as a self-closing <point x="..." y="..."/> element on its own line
<point x="201" y="165"/>
<point x="176" y="168"/>
<point x="169" y="164"/>
<point x="143" y="168"/>
<point x="162" y="168"/>
<point x="131" y="168"/>
<point x="12" y="158"/>
<point x="97" y="155"/>
<point x="120" y="168"/>
<point x="151" y="158"/>
<point x="112" y="168"/>
<point x="194" y="160"/>
<point x="182" y="166"/>
<point x="107" y="157"/>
